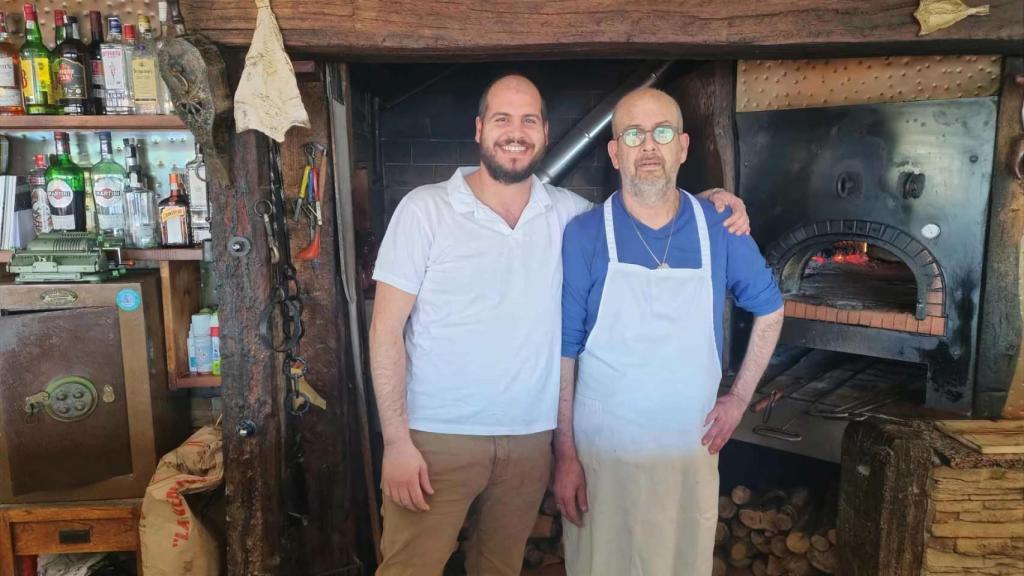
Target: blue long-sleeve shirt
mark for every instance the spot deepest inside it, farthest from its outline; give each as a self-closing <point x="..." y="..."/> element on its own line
<point x="736" y="265"/>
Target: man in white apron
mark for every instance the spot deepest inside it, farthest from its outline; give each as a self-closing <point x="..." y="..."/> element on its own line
<point x="645" y="277"/>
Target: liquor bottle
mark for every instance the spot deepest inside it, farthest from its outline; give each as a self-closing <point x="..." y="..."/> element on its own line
<point x="199" y="204"/>
<point x="175" y="225"/>
<point x="58" y="38"/>
<point x="108" y="183"/>
<point x="72" y="71"/>
<point x="36" y="83"/>
<point x="65" y="188"/>
<point x="145" y="71"/>
<point x="58" y="28"/>
<point x="166" y="32"/>
<point x="10" y="74"/>
<point x="96" y="92"/>
<point x="143" y="223"/>
<point x="85" y="163"/>
<point x="40" y="204"/>
<point x="116" y="76"/>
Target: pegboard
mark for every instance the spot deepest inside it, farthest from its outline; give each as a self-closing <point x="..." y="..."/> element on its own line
<point x="128" y="10"/>
<point x="782" y="84"/>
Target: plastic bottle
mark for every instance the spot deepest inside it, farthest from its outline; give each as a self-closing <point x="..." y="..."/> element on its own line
<point x="215" y="344"/>
<point x="202" y="342"/>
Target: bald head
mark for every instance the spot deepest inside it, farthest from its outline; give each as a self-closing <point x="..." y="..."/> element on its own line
<point x="514" y="84"/>
<point x="646" y="99"/>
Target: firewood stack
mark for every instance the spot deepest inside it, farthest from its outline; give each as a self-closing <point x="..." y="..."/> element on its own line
<point x="776" y="533"/>
<point x="544" y="548"/>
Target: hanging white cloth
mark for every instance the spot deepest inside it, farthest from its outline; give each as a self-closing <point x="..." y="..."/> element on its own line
<point x="267" y="98"/>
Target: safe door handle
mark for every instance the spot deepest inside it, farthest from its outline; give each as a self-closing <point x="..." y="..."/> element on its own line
<point x="75" y="536"/>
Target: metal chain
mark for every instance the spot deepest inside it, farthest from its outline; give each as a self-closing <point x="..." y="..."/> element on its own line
<point x="284" y="307"/>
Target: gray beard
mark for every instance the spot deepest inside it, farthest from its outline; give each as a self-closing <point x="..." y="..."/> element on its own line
<point x="648" y="192"/>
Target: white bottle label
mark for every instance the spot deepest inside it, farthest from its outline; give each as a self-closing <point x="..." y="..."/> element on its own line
<point x="10" y="89"/>
<point x="114" y="77"/>
<point x="59" y="193"/>
<point x="196" y="186"/>
<point x="40" y="209"/>
<point x="8" y="79"/>
<point x="108" y="190"/>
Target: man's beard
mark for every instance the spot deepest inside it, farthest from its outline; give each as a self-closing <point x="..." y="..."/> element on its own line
<point x="507" y="175"/>
<point x="651" y="190"/>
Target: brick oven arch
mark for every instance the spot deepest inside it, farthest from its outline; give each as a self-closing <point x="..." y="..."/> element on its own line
<point x="790" y="254"/>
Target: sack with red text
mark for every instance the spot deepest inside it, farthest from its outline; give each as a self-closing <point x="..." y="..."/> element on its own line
<point x="175" y="542"/>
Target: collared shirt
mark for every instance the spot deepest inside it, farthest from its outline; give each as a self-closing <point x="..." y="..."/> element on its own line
<point x="483" y="336"/>
<point x="737" y="266"/>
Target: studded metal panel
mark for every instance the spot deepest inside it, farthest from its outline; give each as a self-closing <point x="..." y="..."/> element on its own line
<point x="783" y="84"/>
<point x="128" y="10"/>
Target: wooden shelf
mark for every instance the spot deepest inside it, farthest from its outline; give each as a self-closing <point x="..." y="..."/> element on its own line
<point x="196" y="381"/>
<point x="163" y="254"/>
<point x="126" y="122"/>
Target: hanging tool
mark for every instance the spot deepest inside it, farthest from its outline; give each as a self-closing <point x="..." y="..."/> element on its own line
<point x="313" y="177"/>
<point x="264" y="209"/>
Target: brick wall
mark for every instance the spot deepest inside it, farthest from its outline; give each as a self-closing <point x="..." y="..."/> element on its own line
<point x="976" y="522"/>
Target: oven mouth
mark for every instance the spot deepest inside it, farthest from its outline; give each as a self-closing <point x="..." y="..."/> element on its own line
<point x="853" y="275"/>
<point x="861" y="273"/>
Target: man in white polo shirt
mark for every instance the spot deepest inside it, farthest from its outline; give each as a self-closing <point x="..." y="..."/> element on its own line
<point x="465" y="344"/>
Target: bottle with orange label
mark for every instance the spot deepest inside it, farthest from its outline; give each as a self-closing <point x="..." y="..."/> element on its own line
<point x="175" y="221"/>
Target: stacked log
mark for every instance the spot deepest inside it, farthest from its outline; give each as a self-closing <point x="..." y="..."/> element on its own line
<point x="544" y="547"/>
<point x="776" y="533"/>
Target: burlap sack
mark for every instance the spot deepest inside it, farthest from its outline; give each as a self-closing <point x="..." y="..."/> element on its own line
<point x="174" y="541"/>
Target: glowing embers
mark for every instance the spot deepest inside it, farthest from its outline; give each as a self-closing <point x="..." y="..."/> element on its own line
<point x="842" y="252"/>
<point x="856" y="282"/>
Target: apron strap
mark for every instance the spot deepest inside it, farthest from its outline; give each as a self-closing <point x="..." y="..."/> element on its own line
<point x="609" y="230"/>
<point x="702" y="233"/>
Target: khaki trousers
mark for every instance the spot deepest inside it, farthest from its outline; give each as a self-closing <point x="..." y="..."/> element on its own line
<point x="506" y="477"/>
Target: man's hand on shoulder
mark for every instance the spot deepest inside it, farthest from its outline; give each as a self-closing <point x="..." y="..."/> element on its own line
<point x="738" y="223"/>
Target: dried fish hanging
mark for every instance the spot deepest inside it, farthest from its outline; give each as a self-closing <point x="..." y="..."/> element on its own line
<point x="267" y="98"/>
<point x="194" y="72"/>
<point x="938" y="14"/>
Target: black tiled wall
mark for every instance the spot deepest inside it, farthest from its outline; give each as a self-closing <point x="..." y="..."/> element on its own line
<point x="425" y="137"/>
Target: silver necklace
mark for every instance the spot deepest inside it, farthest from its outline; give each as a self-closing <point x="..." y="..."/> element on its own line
<point x="663" y="263"/>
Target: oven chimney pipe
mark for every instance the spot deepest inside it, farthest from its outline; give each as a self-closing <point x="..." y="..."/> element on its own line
<point x="578" y="141"/>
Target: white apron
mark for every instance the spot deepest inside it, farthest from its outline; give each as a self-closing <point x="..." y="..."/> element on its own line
<point x="648" y="377"/>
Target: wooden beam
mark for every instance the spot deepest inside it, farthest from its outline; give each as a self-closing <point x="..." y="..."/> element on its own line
<point x="326" y="543"/>
<point x="467" y="29"/>
<point x="1001" y="331"/>
<point x="252" y="476"/>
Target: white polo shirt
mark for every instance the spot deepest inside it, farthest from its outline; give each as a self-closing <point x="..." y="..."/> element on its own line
<point x="483" y="339"/>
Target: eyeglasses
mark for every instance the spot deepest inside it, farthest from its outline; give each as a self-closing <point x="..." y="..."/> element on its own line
<point x="634" y="137"/>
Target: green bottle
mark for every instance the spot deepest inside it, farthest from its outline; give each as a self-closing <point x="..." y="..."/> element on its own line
<point x="37" y="79"/>
<point x="65" y="188"/>
<point x="108" y="190"/>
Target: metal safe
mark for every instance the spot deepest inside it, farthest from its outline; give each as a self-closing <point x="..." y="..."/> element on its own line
<point x="85" y="410"/>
